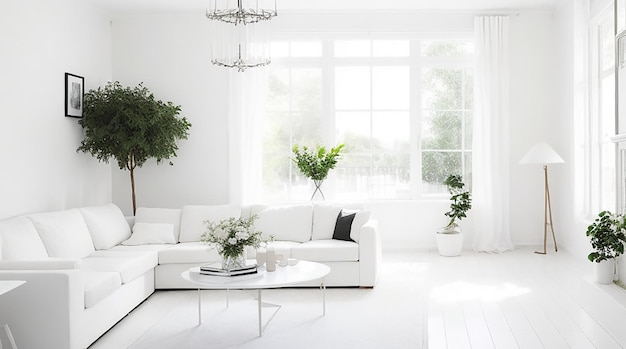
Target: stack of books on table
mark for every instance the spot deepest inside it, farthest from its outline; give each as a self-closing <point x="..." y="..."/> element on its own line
<point x="215" y="269"/>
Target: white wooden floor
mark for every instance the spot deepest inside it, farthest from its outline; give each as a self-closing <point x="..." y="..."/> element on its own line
<point x="517" y="299"/>
<point x="521" y="300"/>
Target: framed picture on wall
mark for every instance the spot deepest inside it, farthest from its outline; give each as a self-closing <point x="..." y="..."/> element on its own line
<point x="74" y="93"/>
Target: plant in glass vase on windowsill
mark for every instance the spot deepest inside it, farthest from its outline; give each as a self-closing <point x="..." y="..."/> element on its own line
<point x="316" y="164"/>
<point x="231" y="237"/>
<point x="608" y="236"/>
<point x="450" y="239"/>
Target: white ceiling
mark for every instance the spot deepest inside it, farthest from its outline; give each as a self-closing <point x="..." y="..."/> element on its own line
<point x="172" y="6"/>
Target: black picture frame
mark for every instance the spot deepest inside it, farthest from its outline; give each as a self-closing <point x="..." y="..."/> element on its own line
<point x="74" y="94"/>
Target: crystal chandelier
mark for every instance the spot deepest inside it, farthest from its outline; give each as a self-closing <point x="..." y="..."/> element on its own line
<point x="240" y="32"/>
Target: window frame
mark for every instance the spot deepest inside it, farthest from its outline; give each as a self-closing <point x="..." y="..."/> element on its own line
<point x="415" y="62"/>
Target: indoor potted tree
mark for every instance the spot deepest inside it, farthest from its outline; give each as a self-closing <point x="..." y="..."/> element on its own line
<point x="315" y="164"/>
<point x="128" y="124"/>
<point x="449" y="238"/>
<point x="607" y="239"/>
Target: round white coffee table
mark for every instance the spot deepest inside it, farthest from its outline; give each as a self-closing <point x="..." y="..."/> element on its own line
<point x="302" y="272"/>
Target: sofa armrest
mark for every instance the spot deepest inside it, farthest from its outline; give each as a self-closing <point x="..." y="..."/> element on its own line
<point x="370" y="254"/>
<point x="47" y="310"/>
<point x="47" y="264"/>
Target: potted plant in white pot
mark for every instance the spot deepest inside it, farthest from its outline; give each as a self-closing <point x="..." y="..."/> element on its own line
<point x="607" y="239"/>
<point x="450" y="238"/>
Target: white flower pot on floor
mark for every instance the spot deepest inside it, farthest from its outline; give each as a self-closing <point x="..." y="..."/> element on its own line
<point x="449" y="245"/>
<point x="603" y="272"/>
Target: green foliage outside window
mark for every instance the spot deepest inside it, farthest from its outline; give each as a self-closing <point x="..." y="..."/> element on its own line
<point x="447" y="116"/>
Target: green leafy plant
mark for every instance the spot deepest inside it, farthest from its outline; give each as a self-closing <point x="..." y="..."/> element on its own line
<point x="129" y="125"/>
<point x="461" y="199"/>
<point x="607" y="236"/>
<point x="315" y="164"/>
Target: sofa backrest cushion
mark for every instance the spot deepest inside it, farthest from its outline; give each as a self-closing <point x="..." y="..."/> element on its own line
<point x="249" y="210"/>
<point x="151" y="233"/>
<point x="360" y="219"/>
<point x="192" y="221"/>
<point x="107" y="225"/>
<point x="160" y="215"/>
<point x="64" y="233"/>
<point x="324" y="219"/>
<point x="19" y="240"/>
<point x="286" y="223"/>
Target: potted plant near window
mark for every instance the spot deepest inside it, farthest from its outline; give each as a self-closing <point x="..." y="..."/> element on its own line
<point x="450" y="238"/>
<point x="315" y="164"/>
<point x="607" y="239"/>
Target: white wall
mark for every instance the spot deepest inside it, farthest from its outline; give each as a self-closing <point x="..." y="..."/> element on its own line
<point x="41" y="40"/>
<point x="573" y="223"/>
<point x="534" y="97"/>
<point x="170" y="54"/>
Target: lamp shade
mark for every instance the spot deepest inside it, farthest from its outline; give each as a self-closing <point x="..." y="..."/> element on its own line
<point x="541" y="153"/>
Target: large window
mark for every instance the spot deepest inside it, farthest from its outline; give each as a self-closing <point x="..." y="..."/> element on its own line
<point x="596" y="127"/>
<point x="403" y="107"/>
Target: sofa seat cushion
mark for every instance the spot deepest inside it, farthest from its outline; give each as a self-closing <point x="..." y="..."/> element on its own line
<point x="128" y="265"/>
<point x="280" y="248"/>
<point x="115" y="253"/>
<point x="327" y="251"/>
<point x="139" y="248"/>
<point x="99" y="285"/>
<point x="284" y="247"/>
<point x="188" y="252"/>
<point x="19" y="240"/>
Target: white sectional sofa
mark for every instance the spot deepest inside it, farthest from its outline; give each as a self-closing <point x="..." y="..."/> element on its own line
<point x="86" y="268"/>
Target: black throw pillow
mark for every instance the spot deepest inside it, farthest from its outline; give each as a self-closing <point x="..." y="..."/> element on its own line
<point x="343" y="226"/>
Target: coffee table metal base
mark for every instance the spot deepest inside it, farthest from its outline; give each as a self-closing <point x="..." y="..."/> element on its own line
<point x="260" y="305"/>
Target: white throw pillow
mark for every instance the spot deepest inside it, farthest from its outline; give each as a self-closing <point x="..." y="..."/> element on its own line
<point x="324" y="219"/>
<point x="360" y="219"/>
<point x="64" y="233"/>
<point x="106" y="224"/>
<point x="192" y="221"/>
<point x="19" y="240"/>
<point x="151" y="233"/>
<point x="160" y="215"/>
<point x="286" y="223"/>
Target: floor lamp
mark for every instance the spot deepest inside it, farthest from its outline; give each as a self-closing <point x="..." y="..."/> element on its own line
<point x="543" y="154"/>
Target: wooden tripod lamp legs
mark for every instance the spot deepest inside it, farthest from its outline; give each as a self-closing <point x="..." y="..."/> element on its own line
<point x="547" y="214"/>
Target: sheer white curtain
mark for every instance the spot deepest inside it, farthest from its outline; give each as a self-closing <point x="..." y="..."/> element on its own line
<point x="490" y="209"/>
<point x="248" y="91"/>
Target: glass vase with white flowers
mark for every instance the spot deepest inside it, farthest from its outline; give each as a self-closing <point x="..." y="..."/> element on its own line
<point x="231" y="237"/>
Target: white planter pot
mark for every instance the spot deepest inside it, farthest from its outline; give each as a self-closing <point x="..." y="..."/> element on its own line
<point x="603" y="272"/>
<point x="449" y="245"/>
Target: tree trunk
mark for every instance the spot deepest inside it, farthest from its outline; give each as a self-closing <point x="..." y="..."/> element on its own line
<point x="132" y="185"/>
<point x="130" y="164"/>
